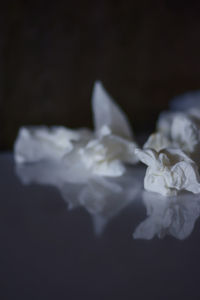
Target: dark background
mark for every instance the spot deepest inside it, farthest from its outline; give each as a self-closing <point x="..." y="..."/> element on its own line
<point x="145" y="52"/>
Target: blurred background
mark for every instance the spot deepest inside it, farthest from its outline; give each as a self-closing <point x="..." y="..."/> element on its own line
<point x="145" y="52"/>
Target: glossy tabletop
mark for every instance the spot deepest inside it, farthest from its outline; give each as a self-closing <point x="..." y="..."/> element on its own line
<point x="100" y="239"/>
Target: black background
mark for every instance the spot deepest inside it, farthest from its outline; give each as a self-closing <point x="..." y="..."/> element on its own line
<point x="145" y="52"/>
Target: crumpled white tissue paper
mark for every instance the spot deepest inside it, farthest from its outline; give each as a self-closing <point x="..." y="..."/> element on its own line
<point x="102" y="152"/>
<point x="36" y="143"/>
<point x="169" y="171"/>
<point x="178" y="129"/>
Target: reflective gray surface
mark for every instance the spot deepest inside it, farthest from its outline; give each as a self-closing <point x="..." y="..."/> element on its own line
<point x="102" y="239"/>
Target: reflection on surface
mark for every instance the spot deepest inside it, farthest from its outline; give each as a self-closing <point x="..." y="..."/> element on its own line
<point x="103" y="198"/>
<point x="175" y="216"/>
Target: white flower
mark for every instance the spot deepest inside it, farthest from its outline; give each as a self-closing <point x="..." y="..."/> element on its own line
<point x="169" y="171"/>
